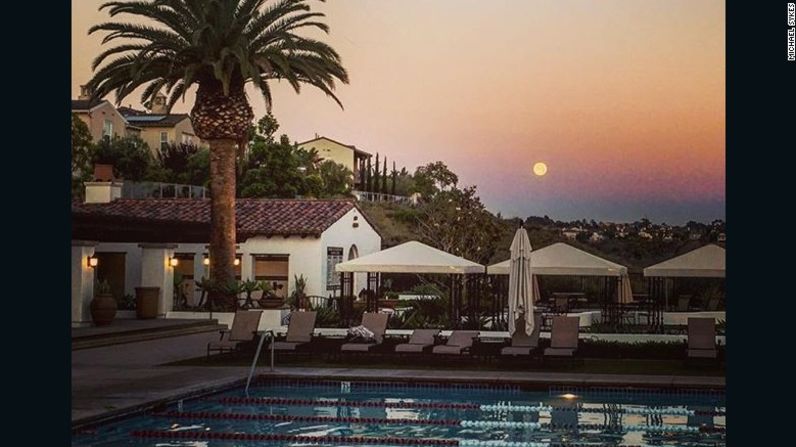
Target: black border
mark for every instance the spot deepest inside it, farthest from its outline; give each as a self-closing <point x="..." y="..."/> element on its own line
<point x="761" y="96"/>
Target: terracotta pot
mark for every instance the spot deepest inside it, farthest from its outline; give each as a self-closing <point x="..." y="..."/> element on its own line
<point x="103" y="309"/>
<point x="146" y="302"/>
<point x="269" y="303"/>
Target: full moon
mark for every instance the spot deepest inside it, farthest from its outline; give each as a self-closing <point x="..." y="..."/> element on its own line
<point x="540" y="169"/>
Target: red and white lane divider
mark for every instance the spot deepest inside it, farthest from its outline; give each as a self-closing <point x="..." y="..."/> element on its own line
<point x="464" y="423"/>
<point x="362" y="404"/>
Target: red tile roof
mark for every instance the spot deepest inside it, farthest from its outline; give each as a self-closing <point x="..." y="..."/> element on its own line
<point x="255" y="217"/>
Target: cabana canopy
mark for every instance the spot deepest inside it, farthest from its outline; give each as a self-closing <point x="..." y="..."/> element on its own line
<point x="410" y="257"/>
<point x="704" y="262"/>
<point x="563" y="259"/>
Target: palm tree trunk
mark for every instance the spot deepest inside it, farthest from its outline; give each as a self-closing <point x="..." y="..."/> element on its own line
<point x="222" y="210"/>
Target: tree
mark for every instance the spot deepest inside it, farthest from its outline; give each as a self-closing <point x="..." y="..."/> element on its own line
<point x="456" y="221"/>
<point x="175" y="158"/>
<point x="130" y="156"/>
<point x="81" y="154"/>
<point x="272" y="170"/>
<point x="394" y="175"/>
<point x="433" y="178"/>
<point x="376" y="176"/>
<point x="336" y="179"/>
<point x="384" y="177"/>
<point x="219" y="45"/>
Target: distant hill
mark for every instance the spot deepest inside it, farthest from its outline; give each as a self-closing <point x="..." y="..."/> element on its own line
<point x="396" y="223"/>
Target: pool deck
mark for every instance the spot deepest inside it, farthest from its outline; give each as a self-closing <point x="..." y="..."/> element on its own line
<point x="113" y="380"/>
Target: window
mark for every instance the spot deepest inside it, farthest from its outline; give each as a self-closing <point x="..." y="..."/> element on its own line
<point x="187" y="139"/>
<point x="164" y="139"/>
<point x="107" y="129"/>
<point x="273" y="269"/>
<point x="334" y="256"/>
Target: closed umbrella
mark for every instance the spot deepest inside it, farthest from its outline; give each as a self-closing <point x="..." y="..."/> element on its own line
<point x="625" y="293"/>
<point x="521" y="288"/>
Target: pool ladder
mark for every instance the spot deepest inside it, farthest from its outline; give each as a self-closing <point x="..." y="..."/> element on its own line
<point x="263" y="335"/>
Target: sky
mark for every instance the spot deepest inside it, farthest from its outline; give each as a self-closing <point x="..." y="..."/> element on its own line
<point x="622" y="99"/>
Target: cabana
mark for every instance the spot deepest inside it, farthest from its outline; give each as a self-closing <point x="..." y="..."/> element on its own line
<point x="564" y="259"/>
<point x="409" y="257"/>
<point x="705" y="262"/>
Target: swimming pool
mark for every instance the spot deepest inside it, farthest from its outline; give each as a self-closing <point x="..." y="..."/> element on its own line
<point x="299" y="412"/>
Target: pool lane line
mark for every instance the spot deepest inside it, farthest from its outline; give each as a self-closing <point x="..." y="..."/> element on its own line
<point x="364" y="404"/>
<point x="668" y="428"/>
<point x="459" y="406"/>
<point x="332" y="439"/>
<point x="265" y="437"/>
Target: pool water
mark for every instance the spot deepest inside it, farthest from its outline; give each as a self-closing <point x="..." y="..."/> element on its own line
<point x="365" y="413"/>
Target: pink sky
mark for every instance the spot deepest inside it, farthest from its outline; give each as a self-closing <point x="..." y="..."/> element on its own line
<point x="623" y="99"/>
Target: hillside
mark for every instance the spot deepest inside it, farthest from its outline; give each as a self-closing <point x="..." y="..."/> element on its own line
<point x="397" y="224"/>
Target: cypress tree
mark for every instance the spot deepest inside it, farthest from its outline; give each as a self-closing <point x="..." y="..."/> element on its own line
<point x="376" y="172"/>
<point x="394" y="175"/>
<point x="384" y="177"/>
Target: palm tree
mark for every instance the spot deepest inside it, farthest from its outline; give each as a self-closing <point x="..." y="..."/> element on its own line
<point x="220" y="46"/>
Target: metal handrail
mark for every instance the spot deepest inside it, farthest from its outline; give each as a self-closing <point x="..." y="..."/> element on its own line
<point x="263" y="334"/>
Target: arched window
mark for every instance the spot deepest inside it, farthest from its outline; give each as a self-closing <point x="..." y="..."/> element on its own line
<point x="353" y="252"/>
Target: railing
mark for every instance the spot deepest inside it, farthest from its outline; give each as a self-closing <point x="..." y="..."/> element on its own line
<point x="158" y="190"/>
<point x="263" y="335"/>
<point x="381" y="197"/>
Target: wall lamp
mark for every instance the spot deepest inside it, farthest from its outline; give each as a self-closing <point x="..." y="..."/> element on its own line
<point x="206" y="261"/>
<point x="92" y="261"/>
<point x="173" y="262"/>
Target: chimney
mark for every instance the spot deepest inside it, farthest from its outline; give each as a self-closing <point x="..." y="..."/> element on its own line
<point x="158" y="106"/>
<point x="85" y="92"/>
<point x="105" y="187"/>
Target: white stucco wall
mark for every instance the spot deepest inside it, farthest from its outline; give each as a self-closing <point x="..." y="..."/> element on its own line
<point x="343" y="234"/>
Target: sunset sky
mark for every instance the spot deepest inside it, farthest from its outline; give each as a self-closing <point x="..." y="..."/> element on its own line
<point x="622" y="99"/>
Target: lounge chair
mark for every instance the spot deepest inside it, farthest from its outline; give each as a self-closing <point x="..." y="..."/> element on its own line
<point x="419" y="341"/>
<point x="702" y="338"/>
<point x="521" y="342"/>
<point x="244" y="328"/>
<point x="458" y="343"/>
<point x="374" y="322"/>
<point x="563" y="337"/>
<point x="299" y="331"/>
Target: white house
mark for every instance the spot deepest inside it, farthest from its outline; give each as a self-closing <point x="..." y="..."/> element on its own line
<point x="277" y="241"/>
<point x="596" y="237"/>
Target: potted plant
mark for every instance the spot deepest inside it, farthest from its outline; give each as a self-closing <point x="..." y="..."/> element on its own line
<point x="250" y="286"/>
<point x="103" y="306"/>
<point x="269" y="299"/>
<point x="298" y="297"/>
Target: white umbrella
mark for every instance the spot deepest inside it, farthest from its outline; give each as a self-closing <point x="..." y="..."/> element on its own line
<point x="625" y="293"/>
<point x="521" y="282"/>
